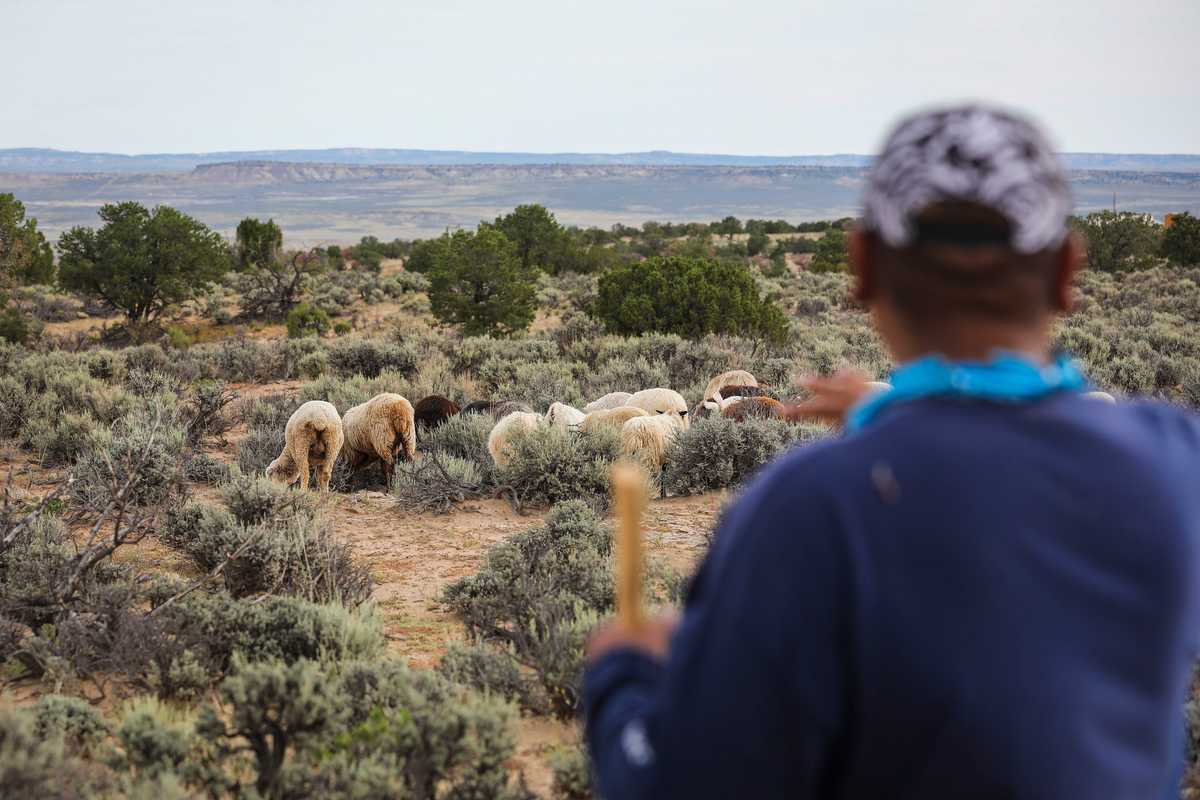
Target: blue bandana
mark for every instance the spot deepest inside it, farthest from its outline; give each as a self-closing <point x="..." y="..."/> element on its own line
<point x="1006" y="378"/>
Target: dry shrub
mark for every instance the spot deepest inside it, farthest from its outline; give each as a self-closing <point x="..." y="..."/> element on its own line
<point x="716" y="453"/>
<point x="437" y="482"/>
<point x="549" y="465"/>
<point x="272" y="540"/>
<point x="538" y="595"/>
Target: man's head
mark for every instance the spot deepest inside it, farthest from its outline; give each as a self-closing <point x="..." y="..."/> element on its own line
<point x="964" y="245"/>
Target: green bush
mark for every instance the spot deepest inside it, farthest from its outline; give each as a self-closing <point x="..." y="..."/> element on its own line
<point x="15" y="327"/>
<point x="307" y="320"/>
<point x="1181" y="240"/>
<point x="687" y="296"/>
<point x="479" y="284"/>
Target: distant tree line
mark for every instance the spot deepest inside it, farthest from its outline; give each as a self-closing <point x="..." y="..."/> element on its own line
<point x="143" y="262"/>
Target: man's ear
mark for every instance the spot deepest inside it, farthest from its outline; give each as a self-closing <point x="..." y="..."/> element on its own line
<point x="1070" y="258"/>
<point x="863" y="263"/>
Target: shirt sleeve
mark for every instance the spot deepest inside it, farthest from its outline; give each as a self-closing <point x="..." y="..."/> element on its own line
<point x="750" y="702"/>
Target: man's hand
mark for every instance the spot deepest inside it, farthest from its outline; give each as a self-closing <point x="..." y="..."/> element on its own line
<point x="652" y="637"/>
<point x="831" y="397"/>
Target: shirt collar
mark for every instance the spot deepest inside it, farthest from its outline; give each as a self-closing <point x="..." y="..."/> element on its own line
<point x="1006" y="377"/>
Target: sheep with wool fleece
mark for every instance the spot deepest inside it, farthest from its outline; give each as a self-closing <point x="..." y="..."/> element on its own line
<point x="313" y="437"/>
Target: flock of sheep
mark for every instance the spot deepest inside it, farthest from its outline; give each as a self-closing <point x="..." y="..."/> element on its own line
<point x="384" y="428"/>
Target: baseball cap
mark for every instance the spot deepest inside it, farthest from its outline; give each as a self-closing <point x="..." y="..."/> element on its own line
<point x="973" y="155"/>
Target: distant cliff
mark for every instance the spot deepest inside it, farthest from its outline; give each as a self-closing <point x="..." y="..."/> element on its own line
<point x="61" y="161"/>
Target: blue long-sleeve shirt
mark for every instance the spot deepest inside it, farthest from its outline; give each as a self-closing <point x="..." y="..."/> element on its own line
<point x="964" y="599"/>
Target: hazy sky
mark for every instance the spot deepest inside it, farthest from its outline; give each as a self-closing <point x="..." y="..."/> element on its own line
<point x="755" y="76"/>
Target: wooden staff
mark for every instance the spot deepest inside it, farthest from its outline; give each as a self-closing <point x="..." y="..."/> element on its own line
<point x="629" y="494"/>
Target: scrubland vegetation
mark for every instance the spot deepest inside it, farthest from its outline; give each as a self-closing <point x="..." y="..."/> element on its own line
<point x="145" y="381"/>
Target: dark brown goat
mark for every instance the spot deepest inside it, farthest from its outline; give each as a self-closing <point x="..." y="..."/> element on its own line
<point x="433" y="411"/>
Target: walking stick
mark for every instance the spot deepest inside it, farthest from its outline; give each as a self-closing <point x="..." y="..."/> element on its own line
<point x="629" y="494"/>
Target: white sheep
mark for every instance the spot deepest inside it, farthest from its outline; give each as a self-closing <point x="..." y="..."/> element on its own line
<point x="312" y="438"/>
<point x="1102" y="396"/>
<point x="646" y="439"/>
<point x="499" y="442"/>
<point x="378" y="430"/>
<point x="611" y="417"/>
<point x="877" y="386"/>
<point x="735" y="377"/>
<point x="661" y="401"/>
<point x="564" y="416"/>
<point x="609" y="401"/>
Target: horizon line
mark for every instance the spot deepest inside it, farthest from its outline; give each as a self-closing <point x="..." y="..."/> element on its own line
<point x="613" y="153"/>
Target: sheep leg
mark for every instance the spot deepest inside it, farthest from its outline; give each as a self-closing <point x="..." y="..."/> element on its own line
<point x="389" y="471"/>
<point x="300" y="456"/>
<point x="383" y="443"/>
<point x="410" y="443"/>
<point x="324" y="475"/>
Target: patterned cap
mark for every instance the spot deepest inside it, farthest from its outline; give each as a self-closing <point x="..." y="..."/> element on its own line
<point x="969" y="154"/>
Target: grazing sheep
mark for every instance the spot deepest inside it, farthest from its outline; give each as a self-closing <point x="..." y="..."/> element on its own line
<point x="647" y="438"/>
<point x="661" y="401"/>
<point x="753" y="408"/>
<point x="707" y="408"/>
<point x="505" y="407"/>
<point x="562" y="415"/>
<point x="434" y="410"/>
<point x="499" y="445"/>
<point x="611" y="417"/>
<point x="1102" y="396"/>
<point x="609" y="401"/>
<point x="735" y="377"/>
<point x="477" y="407"/>
<point x="378" y="430"/>
<point x="313" y="438"/>
<point x="498" y="409"/>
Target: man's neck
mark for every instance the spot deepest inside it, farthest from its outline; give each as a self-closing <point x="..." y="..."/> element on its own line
<point x="977" y="343"/>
